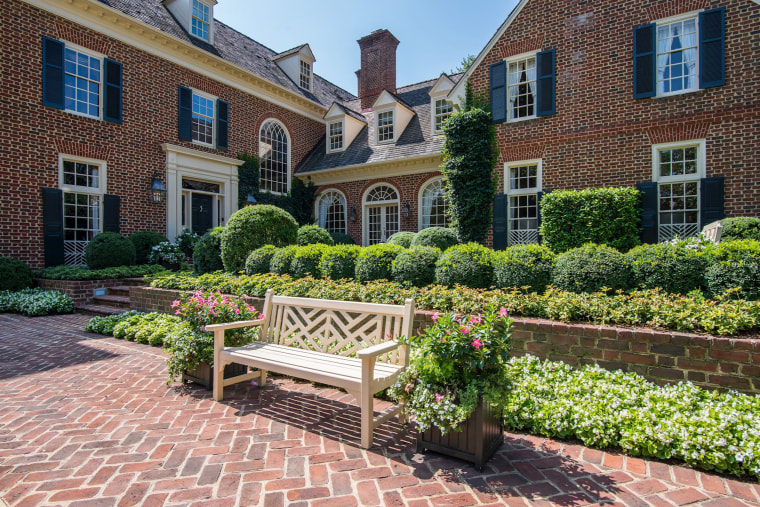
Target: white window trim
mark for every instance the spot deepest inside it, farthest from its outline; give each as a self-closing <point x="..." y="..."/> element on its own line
<point x="290" y="153"/>
<point x="378" y="112"/>
<point x="420" y="193"/>
<point x="539" y="177"/>
<point x="94" y="54"/>
<point x="210" y="6"/>
<point x="665" y="21"/>
<point x="310" y="76"/>
<point x="522" y="56"/>
<point x="317" y="201"/>
<point x="342" y="122"/>
<point x="213" y="121"/>
<point x="701" y="161"/>
<point x="433" y="100"/>
<point x="102" y="182"/>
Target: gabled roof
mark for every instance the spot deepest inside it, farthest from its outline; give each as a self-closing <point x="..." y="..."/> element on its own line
<point x="344" y="110"/>
<point x="303" y="47"/>
<point x="395" y="98"/>
<point x="443" y="84"/>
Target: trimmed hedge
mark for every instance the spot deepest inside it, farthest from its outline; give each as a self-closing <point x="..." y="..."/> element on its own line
<point x="253" y="227"/>
<point x="313" y="234"/>
<point x="375" y="262"/>
<point x="79" y="273"/>
<point x="341" y="238"/>
<point x="282" y="260"/>
<point x="740" y="228"/>
<point x="306" y="260"/>
<point x="591" y="268"/>
<point x="260" y="260"/>
<point x="108" y="250"/>
<point x="144" y="242"/>
<point x="734" y="265"/>
<point x="207" y="253"/>
<point x="416" y="266"/>
<point x="441" y="238"/>
<point x="470" y="265"/>
<point x="402" y="238"/>
<point x="674" y="267"/>
<point x="524" y="266"/>
<point x="339" y="262"/>
<point x="14" y="274"/>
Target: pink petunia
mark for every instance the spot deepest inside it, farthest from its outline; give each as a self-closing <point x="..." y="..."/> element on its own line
<point x="435" y="316"/>
<point x="438" y="397"/>
<point x="237" y="311"/>
<point x="476" y="319"/>
<point x="476" y="343"/>
<point x="175" y="304"/>
<point x="503" y="312"/>
<point x="465" y="329"/>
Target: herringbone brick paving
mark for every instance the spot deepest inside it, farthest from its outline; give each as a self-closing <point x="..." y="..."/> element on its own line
<point x="87" y="420"/>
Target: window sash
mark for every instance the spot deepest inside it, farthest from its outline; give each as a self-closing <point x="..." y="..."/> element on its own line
<point x="336" y="135"/>
<point x="82" y="82"/>
<point x="203" y="119"/>
<point x="200" y="24"/>
<point x="677" y="56"/>
<point x="523" y="179"/>
<point x="434" y="207"/>
<point x="521" y="88"/>
<point x="305" y="77"/>
<point x="385" y="126"/>
<point x="678" y="206"/>
<point x="443" y="110"/>
<point x="274" y="156"/>
<point x="332" y="212"/>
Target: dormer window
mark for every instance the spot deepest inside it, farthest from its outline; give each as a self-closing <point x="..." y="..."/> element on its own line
<point x="336" y="135"/>
<point x="305" y="75"/>
<point x="200" y="25"/>
<point x="443" y="110"/>
<point x="385" y="126"/>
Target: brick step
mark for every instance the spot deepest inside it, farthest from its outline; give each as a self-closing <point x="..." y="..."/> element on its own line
<point x="100" y="311"/>
<point x="112" y="301"/>
<point x="121" y="290"/>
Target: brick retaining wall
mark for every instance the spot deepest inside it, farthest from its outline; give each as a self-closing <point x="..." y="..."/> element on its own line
<point x="81" y="291"/>
<point x="660" y="356"/>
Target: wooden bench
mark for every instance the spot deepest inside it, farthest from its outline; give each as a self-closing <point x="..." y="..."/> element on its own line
<point x="713" y="231"/>
<point x="339" y="343"/>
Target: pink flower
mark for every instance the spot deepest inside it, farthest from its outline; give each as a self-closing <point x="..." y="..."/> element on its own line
<point x="237" y="311"/>
<point x="465" y="329"/>
<point x="438" y="397"/>
<point x="503" y="312"/>
<point x="254" y="383"/>
<point x="175" y="304"/>
<point x="476" y="343"/>
<point x="407" y="387"/>
<point x="435" y="316"/>
<point x="476" y="319"/>
<point x="177" y="312"/>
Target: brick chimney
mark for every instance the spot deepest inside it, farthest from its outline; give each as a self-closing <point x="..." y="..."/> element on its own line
<point x="378" y="66"/>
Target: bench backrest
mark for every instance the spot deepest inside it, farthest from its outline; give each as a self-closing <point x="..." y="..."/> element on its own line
<point x="335" y="327"/>
<point x="713" y="231"/>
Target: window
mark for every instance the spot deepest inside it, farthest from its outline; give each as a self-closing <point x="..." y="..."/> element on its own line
<point x="433" y="206"/>
<point x="203" y="119"/>
<point x="275" y="157"/>
<point x="200" y="23"/>
<point x="385" y="126"/>
<point x="336" y="135"/>
<point x="381" y="214"/>
<point x="82" y="182"/>
<point x="677" y="56"/>
<point x="305" y="75"/>
<point x="443" y="110"/>
<point x="331" y="211"/>
<point x="678" y="170"/>
<point x="521" y="88"/>
<point x="523" y="182"/>
<point x="82" y="80"/>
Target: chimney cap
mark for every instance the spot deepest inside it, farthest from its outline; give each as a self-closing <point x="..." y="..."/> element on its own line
<point x="378" y="34"/>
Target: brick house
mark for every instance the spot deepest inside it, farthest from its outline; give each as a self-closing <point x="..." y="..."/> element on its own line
<point x="658" y="94"/>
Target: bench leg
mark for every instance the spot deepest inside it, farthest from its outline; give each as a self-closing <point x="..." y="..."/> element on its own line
<point x="367" y="408"/>
<point x="219" y="380"/>
<point x="262" y="378"/>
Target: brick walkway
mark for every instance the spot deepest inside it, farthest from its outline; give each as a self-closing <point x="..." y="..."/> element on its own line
<point x="87" y="420"/>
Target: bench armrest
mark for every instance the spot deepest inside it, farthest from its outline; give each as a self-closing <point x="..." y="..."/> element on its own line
<point x="233" y="325"/>
<point x="377" y="350"/>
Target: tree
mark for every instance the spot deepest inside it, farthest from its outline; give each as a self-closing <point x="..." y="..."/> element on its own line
<point x="465" y="64"/>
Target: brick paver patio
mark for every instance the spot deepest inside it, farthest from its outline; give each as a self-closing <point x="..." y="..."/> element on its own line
<point x="87" y="420"/>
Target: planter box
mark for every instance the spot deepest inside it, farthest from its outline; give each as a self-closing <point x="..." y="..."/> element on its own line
<point x="204" y="374"/>
<point x="476" y="441"/>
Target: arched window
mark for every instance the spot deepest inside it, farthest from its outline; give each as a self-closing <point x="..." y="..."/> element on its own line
<point x="433" y="207"/>
<point x="331" y="211"/>
<point x="381" y="214"/>
<point x="274" y="154"/>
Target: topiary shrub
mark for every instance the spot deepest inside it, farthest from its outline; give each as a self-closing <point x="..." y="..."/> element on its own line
<point x="108" y="250"/>
<point x="470" y="265"/>
<point x="14" y="274"/>
<point x="403" y="238"/>
<point x="734" y="264"/>
<point x="374" y="262"/>
<point x="313" y="234"/>
<point x="253" y="227"/>
<point x="524" y="266"/>
<point x="306" y="261"/>
<point x="590" y="268"/>
<point x="282" y="260"/>
<point x="416" y="266"/>
<point x="341" y="238"/>
<point x="740" y="228"/>
<point x="260" y="260"/>
<point x="207" y="253"/>
<point x="442" y="238"/>
<point x="339" y="261"/>
<point x="143" y="242"/>
<point x="677" y="268"/>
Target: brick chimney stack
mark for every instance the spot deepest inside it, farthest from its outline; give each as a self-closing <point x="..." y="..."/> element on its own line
<point x="378" y="66"/>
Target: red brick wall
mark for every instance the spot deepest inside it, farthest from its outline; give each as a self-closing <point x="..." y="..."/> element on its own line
<point x="378" y="66"/>
<point x="81" y="291"/>
<point x="32" y="136"/>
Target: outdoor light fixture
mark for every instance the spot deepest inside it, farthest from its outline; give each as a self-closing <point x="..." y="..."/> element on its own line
<point x="250" y="200"/>
<point x="405" y="210"/>
<point x="157" y="190"/>
<point x="352" y="214"/>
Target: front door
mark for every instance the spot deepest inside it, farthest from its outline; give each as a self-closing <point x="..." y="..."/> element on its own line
<point x="382" y="222"/>
<point x="202" y="216"/>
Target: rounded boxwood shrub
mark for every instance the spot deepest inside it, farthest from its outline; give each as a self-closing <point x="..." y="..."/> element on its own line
<point x="590" y="267"/>
<point x="524" y="266"/>
<point x="470" y="265"/>
<point x="416" y="266"/>
<point x="403" y="238"/>
<point x="740" y="228"/>
<point x="306" y="261"/>
<point x="374" y="262"/>
<point x="14" y="274"/>
<point x="675" y="268"/>
<point x="440" y="237"/>
<point x="313" y="234"/>
<point x="341" y="238"/>
<point x="339" y="261"/>
<point x="207" y="253"/>
<point x="734" y="264"/>
<point x="253" y="227"/>
<point x="144" y="242"/>
<point x="108" y="250"/>
<point x="259" y="261"/>
<point x="282" y="260"/>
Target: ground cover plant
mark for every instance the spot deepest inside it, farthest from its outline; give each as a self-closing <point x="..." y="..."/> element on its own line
<point x="79" y="273"/>
<point x="35" y="302"/>
<point x="104" y="325"/>
<point x="149" y="328"/>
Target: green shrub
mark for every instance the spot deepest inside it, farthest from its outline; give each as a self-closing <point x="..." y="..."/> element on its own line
<point x="374" y="262"/>
<point x="207" y="253"/>
<point x="734" y="264"/>
<point x="79" y="273"/>
<point x="143" y="242"/>
<point x="606" y="216"/>
<point x="104" y="325"/>
<point x="441" y="238"/>
<point x="282" y="260"/>
<point x="313" y="234"/>
<point x="524" y="266"/>
<point x="14" y="274"/>
<point x="306" y="260"/>
<point x="35" y="302"/>
<point x="253" y="227"/>
<point x="339" y="261"/>
<point x="186" y="241"/>
<point x="416" y="266"/>
<point x="402" y="238"/>
<point x="259" y="260"/>
<point x="470" y="265"/>
<point x="590" y="268"/>
<point x="740" y="228"/>
<point x="677" y="268"/>
<point x="341" y="238"/>
<point x="109" y="249"/>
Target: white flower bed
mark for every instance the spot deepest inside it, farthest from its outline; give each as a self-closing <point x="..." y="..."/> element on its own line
<point x="35" y="302"/>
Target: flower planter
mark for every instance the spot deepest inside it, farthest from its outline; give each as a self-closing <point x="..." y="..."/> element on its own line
<point x="203" y="374"/>
<point x="475" y="441"/>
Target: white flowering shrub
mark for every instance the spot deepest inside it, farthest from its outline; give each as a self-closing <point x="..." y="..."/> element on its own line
<point x="35" y="302"/>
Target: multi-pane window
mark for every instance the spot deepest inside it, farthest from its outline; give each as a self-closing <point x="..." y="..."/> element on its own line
<point x="203" y="119"/>
<point x="305" y="75"/>
<point x="443" y="110"/>
<point x="82" y="184"/>
<point x="201" y="20"/>
<point x="521" y="88"/>
<point x="82" y="83"/>
<point x="381" y="210"/>
<point x="273" y="153"/>
<point x="332" y="211"/>
<point x="677" y="56"/>
<point x="523" y="185"/>
<point x="433" y="206"/>
<point x="336" y="135"/>
<point x="385" y="126"/>
<point x="678" y="172"/>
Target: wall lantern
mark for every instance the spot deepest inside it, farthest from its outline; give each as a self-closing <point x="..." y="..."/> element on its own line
<point x="352" y="214"/>
<point x="405" y="210"/>
<point x="157" y="190"/>
<point x="250" y="200"/>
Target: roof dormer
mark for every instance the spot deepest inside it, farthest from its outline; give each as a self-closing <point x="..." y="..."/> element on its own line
<point x="195" y="16"/>
<point x="440" y="105"/>
<point x="392" y="115"/>
<point x="343" y="125"/>
<point x="297" y="64"/>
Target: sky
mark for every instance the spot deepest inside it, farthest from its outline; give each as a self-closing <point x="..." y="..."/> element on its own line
<point x="435" y="35"/>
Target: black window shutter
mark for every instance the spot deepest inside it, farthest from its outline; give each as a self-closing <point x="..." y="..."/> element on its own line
<point x="712" y="52"/>
<point x="112" y="91"/>
<point x="52" y="73"/>
<point x="712" y="197"/>
<point x="649" y="212"/>
<point x="52" y="226"/>
<point x="185" y="114"/>
<point x="499" y="92"/>
<point x="222" y="124"/>
<point x="500" y="222"/>
<point x="111" y="213"/>
<point x="644" y="61"/>
<point x="545" y="82"/>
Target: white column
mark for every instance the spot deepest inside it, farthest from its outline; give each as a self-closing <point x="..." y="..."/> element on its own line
<point x="173" y="197"/>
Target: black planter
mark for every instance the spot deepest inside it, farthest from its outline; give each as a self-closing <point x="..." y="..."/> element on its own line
<point x="475" y="441"/>
<point x="203" y="374"/>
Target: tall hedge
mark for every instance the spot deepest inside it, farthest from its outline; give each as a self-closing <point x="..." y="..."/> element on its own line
<point x="605" y="216"/>
<point x="740" y="228"/>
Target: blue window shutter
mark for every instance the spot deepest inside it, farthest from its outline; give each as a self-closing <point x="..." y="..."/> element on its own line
<point x="545" y="82"/>
<point x="111" y="213"/>
<point x="649" y="212"/>
<point x="222" y="124"/>
<point x="711" y="192"/>
<point x="52" y="73"/>
<point x="500" y="209"/>
<point x="185" y="114"/>
<point x="52" y="226"/>
<point x="499" y="92"/>
<point x="644" y="61"/>
<point x="712" y="50"/>
<point x="112" y="91"/>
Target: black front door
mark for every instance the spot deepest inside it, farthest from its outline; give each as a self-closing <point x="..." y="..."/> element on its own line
<point x="202" y="217"/>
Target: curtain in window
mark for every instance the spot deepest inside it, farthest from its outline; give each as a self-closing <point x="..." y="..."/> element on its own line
<point x="677" y="56"/>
